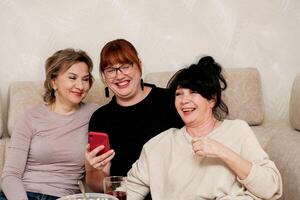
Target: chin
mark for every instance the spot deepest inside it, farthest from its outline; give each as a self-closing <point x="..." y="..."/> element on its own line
<point x="123" y="94"/>
<point x="188" y="121"/>
<point x="76" y="101"/>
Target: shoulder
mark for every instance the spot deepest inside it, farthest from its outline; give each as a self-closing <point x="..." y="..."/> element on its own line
<point x="30" y="115"/>
<point x="103" y="109"/>
<point x="237" y="123"/>
<point x="162" y="94"/>
<point x="162" y="139"/>
<point x="90" y="107"/>
<point x="104" y="112"/>
<point x="238" y="128"/>
<point x="37" y="110"/>
<point x="162" y="91"/>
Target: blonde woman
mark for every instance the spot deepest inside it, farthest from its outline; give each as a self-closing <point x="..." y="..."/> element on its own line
<point x="46" y="154"/>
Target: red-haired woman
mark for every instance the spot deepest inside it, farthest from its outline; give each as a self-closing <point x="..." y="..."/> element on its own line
<point x="137" y="112"/>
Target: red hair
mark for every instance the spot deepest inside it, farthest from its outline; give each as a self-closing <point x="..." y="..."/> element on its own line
<point x="118" y="51"/>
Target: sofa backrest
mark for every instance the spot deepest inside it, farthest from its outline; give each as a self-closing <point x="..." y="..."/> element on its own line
<point x="243" y="95"/>
<point x="25" y="94"/>
<point x="294" y="112"/>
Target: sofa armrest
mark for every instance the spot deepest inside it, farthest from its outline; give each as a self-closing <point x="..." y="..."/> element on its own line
<point x="294" y="113"/>
<point x="284" y="150"/>
<point x="1" y="119"/>
<point x="2" y="155"/>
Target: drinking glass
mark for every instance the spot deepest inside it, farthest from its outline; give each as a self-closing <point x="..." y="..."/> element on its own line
<point x="115" y="186"/>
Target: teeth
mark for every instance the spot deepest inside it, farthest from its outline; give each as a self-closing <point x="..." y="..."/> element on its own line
<point x="188" y="109"/>
<point x="122" y="83"/>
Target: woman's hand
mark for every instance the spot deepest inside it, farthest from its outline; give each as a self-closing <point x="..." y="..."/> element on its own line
<point x="101" y="161"/>
<point x="206" y="147"/>
<point x="97" y="167"/>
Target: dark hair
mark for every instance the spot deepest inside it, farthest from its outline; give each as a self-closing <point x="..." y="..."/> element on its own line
<point x="59" y="62"/>
<point x="118" y="51"/>
<point x="206" y="78"/>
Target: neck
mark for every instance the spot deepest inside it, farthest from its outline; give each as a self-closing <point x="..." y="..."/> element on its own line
<point x="138" y="97"/>
<point x="203" y="128"/>
<point x="63" y="109"/>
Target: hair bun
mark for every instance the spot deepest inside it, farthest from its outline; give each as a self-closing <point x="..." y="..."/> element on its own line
<point x="206" y="61"/>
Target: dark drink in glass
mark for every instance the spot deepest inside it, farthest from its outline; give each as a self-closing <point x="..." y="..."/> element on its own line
<point x="115" y="186"/>
<point x="119" y="194"/>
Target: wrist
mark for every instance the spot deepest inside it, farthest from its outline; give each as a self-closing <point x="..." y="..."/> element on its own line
<point x="224" y="154"/>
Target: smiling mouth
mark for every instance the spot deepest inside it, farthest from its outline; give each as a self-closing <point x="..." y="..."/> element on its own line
<point x="122" y="84"/>
<point x="188" y="110"/>
<point x="79" y="94"/>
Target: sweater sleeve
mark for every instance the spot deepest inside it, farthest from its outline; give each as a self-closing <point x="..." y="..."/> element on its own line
<point x="11" y="182"/>
<point x="264" y="179"/>
<point x="138" y="179"/>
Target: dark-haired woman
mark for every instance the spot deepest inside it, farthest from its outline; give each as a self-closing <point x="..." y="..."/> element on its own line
<point x="137" y="112"/>
<point x="210" y="157"/>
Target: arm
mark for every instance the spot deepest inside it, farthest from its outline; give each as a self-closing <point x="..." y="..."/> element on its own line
<point x="97" y="167"/>
<point x="264" y="179"/>
<point x="12" y="174"/>
<point x="252" y="166"/>
<point x="206" y="147"/>
<point x="138" y="185"/>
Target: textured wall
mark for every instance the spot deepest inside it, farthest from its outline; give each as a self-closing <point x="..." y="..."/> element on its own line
<point x="168" y="34"/>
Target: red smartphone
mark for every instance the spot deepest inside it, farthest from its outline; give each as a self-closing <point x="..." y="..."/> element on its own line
<point x="98" y="138"/>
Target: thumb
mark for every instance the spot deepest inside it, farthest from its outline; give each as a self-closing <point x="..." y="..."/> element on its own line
<point x="87" y="148"/>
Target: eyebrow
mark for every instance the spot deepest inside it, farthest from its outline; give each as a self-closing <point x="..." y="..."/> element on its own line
<point x="71" y="73"/>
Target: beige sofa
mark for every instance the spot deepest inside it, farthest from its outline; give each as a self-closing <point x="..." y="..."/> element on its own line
<point x="244" y="99"/>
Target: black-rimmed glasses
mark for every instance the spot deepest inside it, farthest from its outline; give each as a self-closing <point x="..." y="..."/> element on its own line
<point x="111" y="72"/>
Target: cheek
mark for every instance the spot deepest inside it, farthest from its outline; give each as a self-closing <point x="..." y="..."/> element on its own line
<point x="108" y="81"/>
<point x="177" y="104"/>
<point x="87" y="86"/>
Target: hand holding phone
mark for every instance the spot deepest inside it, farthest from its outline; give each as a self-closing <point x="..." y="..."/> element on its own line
<point x="98" y="138"/>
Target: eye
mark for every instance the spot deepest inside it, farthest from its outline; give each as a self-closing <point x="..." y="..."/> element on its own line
<point x="177" y="93"/>
<point x="87" y="78"/>
<point x="125" y="67"/>
<point x="110" y="70"/>
<point x="72" y="77"/>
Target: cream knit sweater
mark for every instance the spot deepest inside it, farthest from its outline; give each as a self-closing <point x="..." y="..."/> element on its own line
<point x="170" y="169"/>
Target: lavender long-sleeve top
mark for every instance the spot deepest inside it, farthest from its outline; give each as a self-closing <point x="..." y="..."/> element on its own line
<point x="46" y="153"/>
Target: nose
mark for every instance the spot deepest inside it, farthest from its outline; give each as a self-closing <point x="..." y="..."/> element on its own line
<point x="119" y="73"/>
<point x="185" y="99"/>
<point x="79" y="84"/>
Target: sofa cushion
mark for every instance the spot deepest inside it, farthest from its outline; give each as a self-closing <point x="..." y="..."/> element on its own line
<point x="294" y="113"/>
<point x="243" y="95"/>
<point x="25" y="94"/>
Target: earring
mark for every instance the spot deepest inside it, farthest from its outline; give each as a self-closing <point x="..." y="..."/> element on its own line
<point x="142" y="84"/>
<point x="53" y="92"/>
<point x="106" y="91"/>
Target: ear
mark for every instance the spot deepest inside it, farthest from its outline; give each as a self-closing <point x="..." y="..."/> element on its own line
<point x="141" y="67"/>
<point x="53" y="84"/>
<point x="212" y="102"/>
<point x="103" y="78"/>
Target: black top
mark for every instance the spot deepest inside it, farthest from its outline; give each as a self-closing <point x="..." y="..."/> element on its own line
<point x="129" y="128"/>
